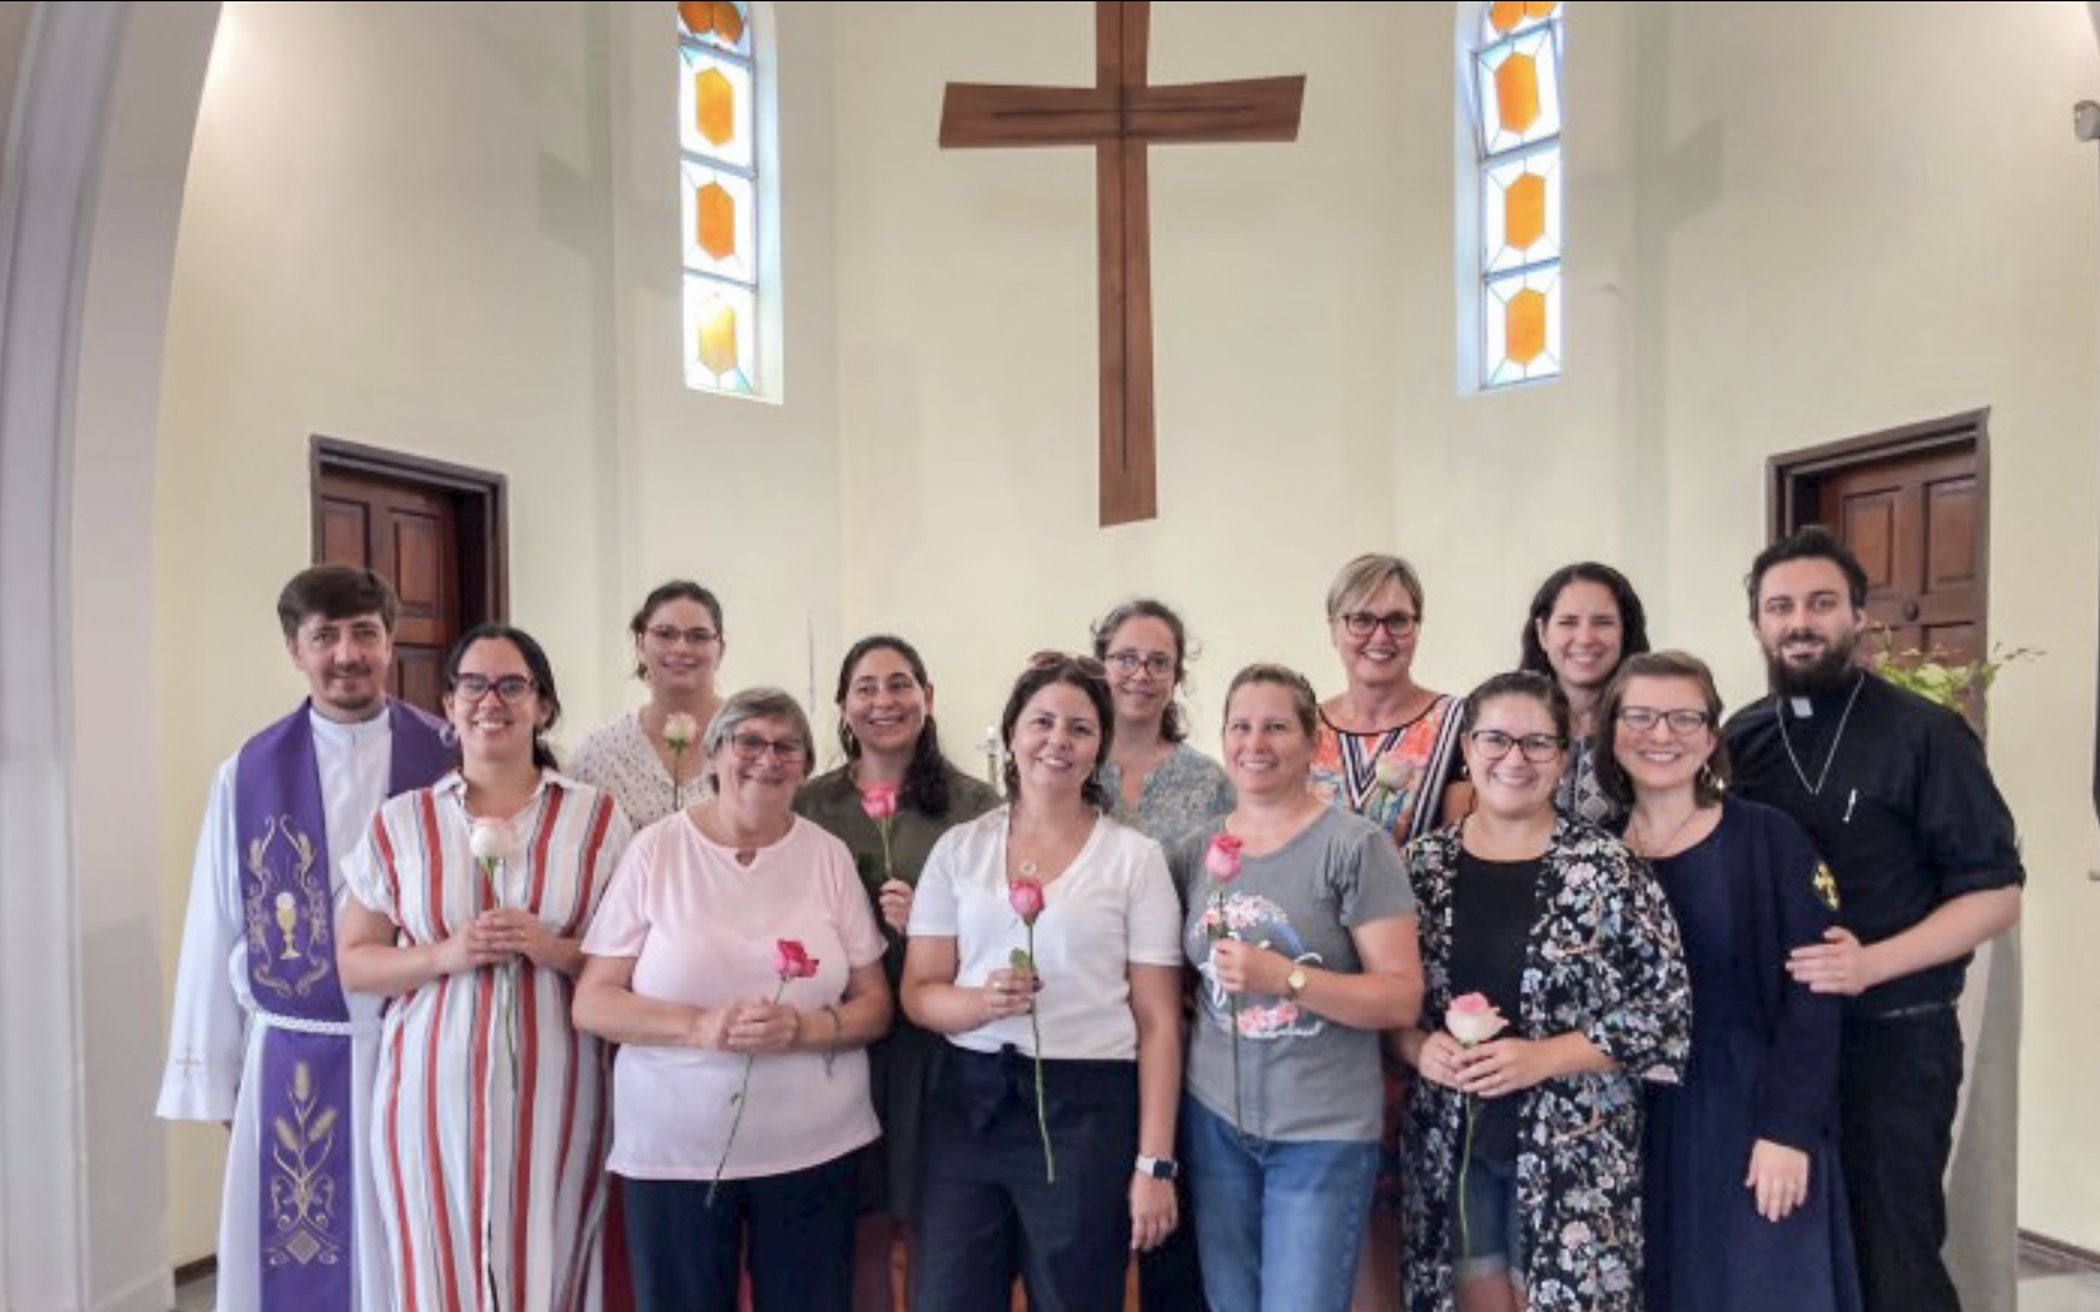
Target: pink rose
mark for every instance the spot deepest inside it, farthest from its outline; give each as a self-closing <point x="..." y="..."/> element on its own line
<point x="791" y="961"/>
<point x="1222" y="861"/>
<point x="1026" y="898"/>
<point x="879" y="801"/>
<point x="1472" y="1019"/>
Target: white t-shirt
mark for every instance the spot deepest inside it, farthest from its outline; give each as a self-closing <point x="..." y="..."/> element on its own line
<point x="1115" y="905"/>
<point x="702" y="931"/>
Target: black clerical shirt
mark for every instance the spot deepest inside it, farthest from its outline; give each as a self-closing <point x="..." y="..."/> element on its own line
<point x="1907" y="815"/>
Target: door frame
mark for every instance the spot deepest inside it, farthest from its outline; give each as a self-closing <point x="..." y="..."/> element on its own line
<point x="1791" y="478"/>
<point x="482" y="497"/>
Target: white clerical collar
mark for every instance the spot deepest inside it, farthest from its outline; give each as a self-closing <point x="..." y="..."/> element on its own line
<point x="1804" y="709"/>
<point x="355" y="731"/>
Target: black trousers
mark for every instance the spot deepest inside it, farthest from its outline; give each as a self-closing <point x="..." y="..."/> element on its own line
<point x="1898" y="1079"/>
<point x="986" y="1210"/>
<point x="799" y="1228"/>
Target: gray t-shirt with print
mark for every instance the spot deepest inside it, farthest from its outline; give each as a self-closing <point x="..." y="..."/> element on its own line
<point x="1302" y="1077"/>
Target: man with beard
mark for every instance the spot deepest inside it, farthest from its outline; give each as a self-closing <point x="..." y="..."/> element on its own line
<point x="264" y="1038"/>
<point x="1900" y="802"/>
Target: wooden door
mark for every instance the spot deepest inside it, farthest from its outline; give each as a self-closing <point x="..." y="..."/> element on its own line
<point x="435" y="531"/>
<point x="409" y="536"/>
<point x="1914" y="524"/>
<point x="1913" y="505"/>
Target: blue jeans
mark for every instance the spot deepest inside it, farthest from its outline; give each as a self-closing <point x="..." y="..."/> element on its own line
<point x="1278" y="1224"/>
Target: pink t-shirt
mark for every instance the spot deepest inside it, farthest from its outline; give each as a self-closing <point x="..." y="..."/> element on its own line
<point x="702" y="930"/>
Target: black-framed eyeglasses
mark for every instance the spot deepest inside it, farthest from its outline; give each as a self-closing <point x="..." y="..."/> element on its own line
<point x="753" y="747"/>
<point x="1398" y="623"/>
<point x="508" y="688"/>
<point x="1052" y="660"/>
<point x="671" y="637"/>
<point x="1683" y="723"/>
<point x="1538" y="748"/>
<point x="1157" y="664"/>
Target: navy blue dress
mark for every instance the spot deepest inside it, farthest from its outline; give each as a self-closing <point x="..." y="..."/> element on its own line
<point x="1764" y="1066"/>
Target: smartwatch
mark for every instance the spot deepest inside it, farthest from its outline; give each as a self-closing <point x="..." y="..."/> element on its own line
<point x="1159" y="1168"/>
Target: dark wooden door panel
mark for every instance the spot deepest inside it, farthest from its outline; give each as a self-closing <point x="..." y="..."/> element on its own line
<point x="1912" y="506"/>
<point x="409" y="531"/>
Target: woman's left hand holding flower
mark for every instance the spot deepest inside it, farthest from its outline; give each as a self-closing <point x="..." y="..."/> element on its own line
<point x="1501" y="1067"/>
<point x="894" y="901"/>
<point x="1242" y="967"/>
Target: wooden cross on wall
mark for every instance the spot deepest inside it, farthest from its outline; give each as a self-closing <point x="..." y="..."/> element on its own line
<point x="1120" y="115"/>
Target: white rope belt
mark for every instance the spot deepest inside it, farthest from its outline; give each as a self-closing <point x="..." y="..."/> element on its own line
<point x="300" y="1025"/>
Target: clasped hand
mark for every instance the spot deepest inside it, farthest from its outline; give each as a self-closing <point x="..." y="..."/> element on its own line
<point x="748" y="1027"/>
<point x="1493" y="1069"/>
<point x="498" y="935"/>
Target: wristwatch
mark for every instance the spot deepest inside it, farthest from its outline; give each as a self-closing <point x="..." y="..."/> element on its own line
<point x="1294" y="983"/>
<point x="1159" y="1168"/>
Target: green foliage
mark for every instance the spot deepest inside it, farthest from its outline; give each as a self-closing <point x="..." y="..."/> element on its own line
<point x="1933" y="677"/>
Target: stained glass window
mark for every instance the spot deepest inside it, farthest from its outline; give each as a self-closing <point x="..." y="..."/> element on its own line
<point x="1514" y="81"/>
<point x="719" y="195"/>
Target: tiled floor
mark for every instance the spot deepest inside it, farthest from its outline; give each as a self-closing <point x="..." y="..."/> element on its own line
<point x="2045" y="1286"/>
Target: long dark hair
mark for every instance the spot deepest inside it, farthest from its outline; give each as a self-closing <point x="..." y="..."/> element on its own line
<point x="1173" y="726"/>
<point x="925" y="788"/>
<point x="1082" y="672"/>
<point x="536" y="661"/>
<point x="1633" y="617"/>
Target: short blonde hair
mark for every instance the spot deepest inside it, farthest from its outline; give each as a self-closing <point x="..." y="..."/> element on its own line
<point x="1364" y="576"/>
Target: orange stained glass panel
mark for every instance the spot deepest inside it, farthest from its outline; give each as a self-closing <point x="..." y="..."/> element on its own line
<point x="1524" y="211"/>
<point x="1505" y="15"/>
<point x="1532" y="8"/>
<point x="718" y="341"/>
<point x="715" y="211"/>
<point x="714" y="105"/>
<point x="1516" y="93"/>
<point x="1525" y="333"/>
<point x="704" y="16"/>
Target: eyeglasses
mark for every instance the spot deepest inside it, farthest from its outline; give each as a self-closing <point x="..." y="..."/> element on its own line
<point x="1398" y="624"/>
<point x="1683" y="723"/>
<point x="1158" y="664"/>
<point x="671" y="637"/>
<point x="508" y="688"/>
<point x="1056" y="660"/>
<point x="1538" y="748"/>
<point x="751" y="747"/>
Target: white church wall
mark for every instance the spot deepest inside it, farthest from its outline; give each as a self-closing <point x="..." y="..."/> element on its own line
<point x="395" y="233"/>
<point x="968" y="349"/>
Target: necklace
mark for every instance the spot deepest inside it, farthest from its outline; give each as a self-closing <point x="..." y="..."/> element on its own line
<point x="1779" y="713"/>
<point x="1028" y="869"/>
<point x="1656" y="851"/>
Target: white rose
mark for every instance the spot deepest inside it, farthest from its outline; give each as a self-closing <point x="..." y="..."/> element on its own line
<point x="492" y="840"/>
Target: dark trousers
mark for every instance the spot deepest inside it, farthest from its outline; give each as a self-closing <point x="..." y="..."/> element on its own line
<point x="799" y="1228"/>
<point x="1898" y="1079"/>
<point x="985" y="1208"/>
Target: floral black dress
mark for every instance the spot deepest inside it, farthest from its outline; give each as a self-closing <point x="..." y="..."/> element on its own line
<point x="1603" y="960"/>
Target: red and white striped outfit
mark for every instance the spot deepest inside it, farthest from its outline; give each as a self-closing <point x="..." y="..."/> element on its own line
<point x="492" y="1193"/>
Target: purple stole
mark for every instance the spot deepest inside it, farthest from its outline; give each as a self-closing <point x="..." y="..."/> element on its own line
<point x="307" y="1157"/>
